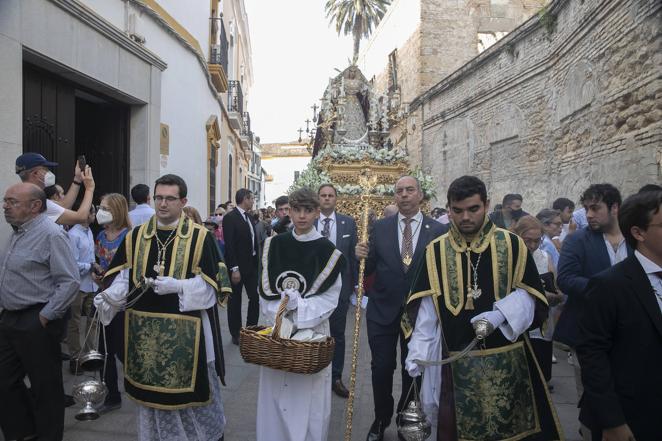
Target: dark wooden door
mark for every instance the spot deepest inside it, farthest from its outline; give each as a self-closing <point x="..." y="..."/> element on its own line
<point x="48" y="121"/>
<point x="61" y="125"/>
<point x="102" y="136"/>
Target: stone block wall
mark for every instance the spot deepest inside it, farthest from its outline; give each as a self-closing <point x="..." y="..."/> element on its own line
<point x="571" y="97"/>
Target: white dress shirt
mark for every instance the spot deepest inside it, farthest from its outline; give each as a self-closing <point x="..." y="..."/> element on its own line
<point x="332" y="226"/>
<point x="250" y="227"/>
<point x="650" y="268"/>
<point x="416" y="225"/>
<point x="618" y="255"/>
<point x="141" y="214"/>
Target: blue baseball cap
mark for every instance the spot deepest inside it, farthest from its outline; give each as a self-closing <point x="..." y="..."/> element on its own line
<point x="31" y="160"/>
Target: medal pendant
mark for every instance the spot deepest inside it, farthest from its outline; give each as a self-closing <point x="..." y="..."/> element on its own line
<point x="156" y="268"/>
<point x="406" y="260"/>
<point x="475" y="293"/>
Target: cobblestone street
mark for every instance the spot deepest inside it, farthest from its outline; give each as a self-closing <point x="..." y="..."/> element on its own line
<point x="240" y="398"/>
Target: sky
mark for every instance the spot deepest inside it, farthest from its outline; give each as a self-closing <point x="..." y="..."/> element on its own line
<point x="295" y="52"/>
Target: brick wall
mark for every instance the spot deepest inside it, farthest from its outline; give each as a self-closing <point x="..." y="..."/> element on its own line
<point x="569" y="98"/>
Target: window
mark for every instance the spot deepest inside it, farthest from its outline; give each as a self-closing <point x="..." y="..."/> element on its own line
<point x="230" y="177"/>
<point x="211" y="167"/>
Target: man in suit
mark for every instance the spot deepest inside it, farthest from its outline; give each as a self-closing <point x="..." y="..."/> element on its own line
<point x="241" y="257"/>
<point x="341" y="230"/>
<point x="584" y="254"/>
<point x="620" y="334"/>
<point x="396" y="246"/>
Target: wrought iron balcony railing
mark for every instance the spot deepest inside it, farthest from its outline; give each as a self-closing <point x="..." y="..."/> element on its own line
<point x="235" y="97"/>
<point x="219" y="52"/>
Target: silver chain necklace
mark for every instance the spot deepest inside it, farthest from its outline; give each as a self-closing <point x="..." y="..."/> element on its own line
<point x="159" y="268"/>
<point x="474" y="292"/>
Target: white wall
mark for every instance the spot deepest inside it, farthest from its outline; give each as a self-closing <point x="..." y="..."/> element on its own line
<point x="282" y="170"/>
<point x="401" y="20"/>
<point x="187" y="102"/>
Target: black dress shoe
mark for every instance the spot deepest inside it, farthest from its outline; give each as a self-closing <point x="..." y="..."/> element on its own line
<point x="235" y="341"/>
<point x="339" y="388"/>
<point x="376" y="431"/>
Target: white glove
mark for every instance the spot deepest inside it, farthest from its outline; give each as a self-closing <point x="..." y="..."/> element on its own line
<point x="413" y="369"/>
<point x="496" y="318"/>
<point x="293" y="296"/>
<point x="167" y="285"/>
<point x="106" y="310"/>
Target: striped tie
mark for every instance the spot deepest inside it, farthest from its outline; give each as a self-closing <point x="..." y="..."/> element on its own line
<point x="326" y="231"/>
<point x="407" y="251"/>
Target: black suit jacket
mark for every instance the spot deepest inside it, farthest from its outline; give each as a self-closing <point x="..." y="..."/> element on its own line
<point x="238" y="248"/>
<point x="620" y="353"/>
<point x="392" y="284"/>
<point x="346" y="238"/>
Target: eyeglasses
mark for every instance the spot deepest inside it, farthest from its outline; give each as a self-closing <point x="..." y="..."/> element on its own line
<point x="168" y="199"/>
<point x="101" y="207"/>
<point x="15" y="202"/>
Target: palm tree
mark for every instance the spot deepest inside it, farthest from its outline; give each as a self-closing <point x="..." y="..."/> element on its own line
<point x="357" y="17"/>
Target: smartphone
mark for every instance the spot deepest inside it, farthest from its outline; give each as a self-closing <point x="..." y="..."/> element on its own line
<point x="82" y="163"/>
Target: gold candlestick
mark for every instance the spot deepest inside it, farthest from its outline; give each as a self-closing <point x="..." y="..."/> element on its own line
<point x="367" y="182"/>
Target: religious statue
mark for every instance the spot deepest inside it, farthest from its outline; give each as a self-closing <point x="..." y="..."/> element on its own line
<point x="352" y="114"/>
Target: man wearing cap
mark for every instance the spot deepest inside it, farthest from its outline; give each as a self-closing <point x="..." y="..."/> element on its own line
<point x="35" y="169"/>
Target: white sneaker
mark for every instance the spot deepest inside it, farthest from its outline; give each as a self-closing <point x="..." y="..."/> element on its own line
<point x="554" y="360"/>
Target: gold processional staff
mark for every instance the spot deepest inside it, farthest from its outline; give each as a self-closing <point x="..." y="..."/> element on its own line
<point x="367" y="183"/>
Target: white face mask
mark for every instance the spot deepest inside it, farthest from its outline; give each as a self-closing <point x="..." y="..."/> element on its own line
<point x="104" y="217"/>
<point x="49" y="179"/>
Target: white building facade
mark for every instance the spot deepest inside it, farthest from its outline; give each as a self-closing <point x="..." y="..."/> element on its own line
<point x="141" y="87"/>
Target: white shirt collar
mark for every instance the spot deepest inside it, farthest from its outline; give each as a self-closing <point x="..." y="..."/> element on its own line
<point x="418" y="217"/>
<point x="648" y="265"/>
<point x="307" y="237"/>
<point x="241" y="210"/>
<point x="332" y="216"/>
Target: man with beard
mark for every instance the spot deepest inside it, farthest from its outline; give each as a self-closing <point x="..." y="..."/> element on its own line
<point x="584" y="254"/>
<point x="475" y="274"/>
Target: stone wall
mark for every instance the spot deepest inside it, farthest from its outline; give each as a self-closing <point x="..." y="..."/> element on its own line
<point x="571" y="97"/>
<point x="449" y="35"/>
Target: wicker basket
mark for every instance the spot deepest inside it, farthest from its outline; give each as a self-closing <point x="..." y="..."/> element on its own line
<point x="274" y="352"/>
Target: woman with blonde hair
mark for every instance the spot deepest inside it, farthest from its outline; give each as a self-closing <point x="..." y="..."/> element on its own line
<point x="531" y="231"/>
<point x="113" y="216"/>
<point x="193" y="214"/>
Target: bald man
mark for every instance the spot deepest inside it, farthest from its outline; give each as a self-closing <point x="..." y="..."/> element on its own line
<point x="397" y="243"/>
<point x="38" y="281"/>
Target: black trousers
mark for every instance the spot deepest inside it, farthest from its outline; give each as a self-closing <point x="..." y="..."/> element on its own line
<point x="115" y="350"/>
<point x="234" y="303"/>
<point x="383" y="341"/>
<point x="543" y="350"/>
<point x="337" y="324"/>
<point x="27" y="348"/>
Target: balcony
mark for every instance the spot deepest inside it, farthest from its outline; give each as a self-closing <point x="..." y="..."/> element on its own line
<point x="246" y="135"/>
<point x="235" y="105"/>
<point x="218" y="57"/>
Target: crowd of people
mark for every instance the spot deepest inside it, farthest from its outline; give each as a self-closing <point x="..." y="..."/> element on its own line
<point x="585" y="278"/>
